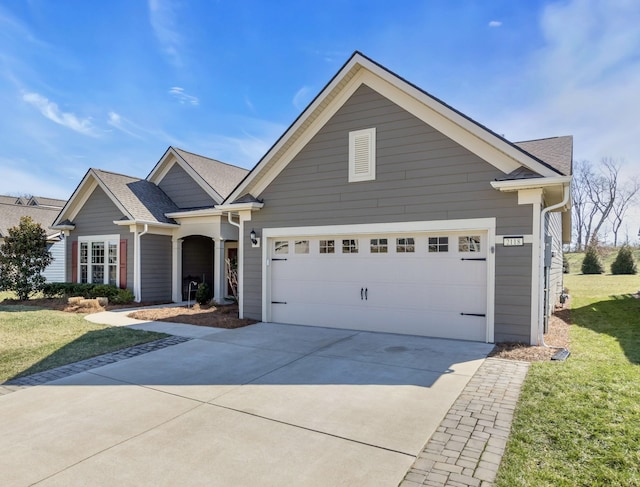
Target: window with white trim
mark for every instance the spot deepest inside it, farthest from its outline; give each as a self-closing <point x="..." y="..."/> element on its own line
<point x="281" y="247"/>
<point x="378" y="246"/>
<point x="438" y="244"/>
<point x="362" y="155"/>
<point x="405" y="245"/>
<point x="327" y="246"/>
<point x="350" y="246"/>
<point x="98" y="260"/>
<point x="301" y="247"/>
<point x="469" y="243"/>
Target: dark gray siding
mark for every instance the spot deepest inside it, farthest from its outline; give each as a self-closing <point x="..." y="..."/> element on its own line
<point x="183" y="190"/>
<point x="155" y="268"/>
<point x="96" y="218"/>
<point x="55" y="271"/>
<point x="421" y="175"/>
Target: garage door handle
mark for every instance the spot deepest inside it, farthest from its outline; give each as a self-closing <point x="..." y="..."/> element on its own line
<point x="361" y="293"/>
<point x="366" y="292"/>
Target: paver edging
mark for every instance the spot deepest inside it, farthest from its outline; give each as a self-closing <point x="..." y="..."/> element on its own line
<point x="468" y="445"/>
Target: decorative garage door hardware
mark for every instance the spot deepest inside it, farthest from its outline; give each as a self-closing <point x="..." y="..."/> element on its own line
<point x="273" y="258"/>
<point x="476" y="258"/>
<point x="473" y="314"/>
<point x="278" y="302"/>
<point x="364" y="293"/>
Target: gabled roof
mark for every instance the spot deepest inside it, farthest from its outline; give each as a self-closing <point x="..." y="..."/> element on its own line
<point x="11" y="200"/>
<point x="216" y="178"/>
<point x="359" y="70"/>
<point x="42" y="201"/>
<point x="10" y="215"/>
<point x="138" y="199"/>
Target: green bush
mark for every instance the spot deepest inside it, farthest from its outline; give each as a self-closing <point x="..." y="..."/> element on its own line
<point x="87" y="291"/>
<point x="591" y="263"/>
<point x="624" y="263"/>
<point x="203" y="294"/>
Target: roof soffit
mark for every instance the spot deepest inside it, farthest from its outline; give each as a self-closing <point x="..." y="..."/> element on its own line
<point x="360" y="70"/>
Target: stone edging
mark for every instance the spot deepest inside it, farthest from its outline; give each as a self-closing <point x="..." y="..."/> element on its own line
<point x="90" y="363"/>
<point x="467" y="447"/>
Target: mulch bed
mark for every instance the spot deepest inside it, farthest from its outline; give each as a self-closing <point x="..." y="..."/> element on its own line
<point x="220" y="316"/>
<point x="557" y="336"/>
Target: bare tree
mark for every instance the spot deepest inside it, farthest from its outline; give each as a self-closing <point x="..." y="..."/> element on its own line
<point x="600" y="197"/>
<point x="627" y="194"/>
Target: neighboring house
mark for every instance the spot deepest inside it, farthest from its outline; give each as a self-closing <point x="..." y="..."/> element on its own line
<point x="381" y="208"/>
<point x="43" y="211"/>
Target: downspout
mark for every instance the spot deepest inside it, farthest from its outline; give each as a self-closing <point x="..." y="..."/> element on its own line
<point x="566" y="190"/>
<point x="240" y="264"/>
<point x="137" y="268"/>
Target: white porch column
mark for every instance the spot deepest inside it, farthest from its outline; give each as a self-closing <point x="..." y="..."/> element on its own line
<point x="219" y="286"/>
<point x="176" y="269"/>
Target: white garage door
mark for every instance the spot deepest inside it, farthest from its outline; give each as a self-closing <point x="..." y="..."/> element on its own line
<point x="431" y="284"/>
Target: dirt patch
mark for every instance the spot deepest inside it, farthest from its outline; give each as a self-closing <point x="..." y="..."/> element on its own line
<point x="222" y="316"/>
<point x="558" y="336"/>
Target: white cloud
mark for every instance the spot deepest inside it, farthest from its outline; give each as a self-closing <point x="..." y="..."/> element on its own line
<point x="162" y="16"/>
<point x="17" y="181"/>
<point x="51" y="111"/>
<point x="183" y="97"/>
<point x="495" y="23"/>
<point x="117" y="121"/>
<point x="302" y="98"/>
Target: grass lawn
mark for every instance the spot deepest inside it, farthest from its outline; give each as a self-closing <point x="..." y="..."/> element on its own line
<point x="578" y="422"/>
<point x="35" y="339"/>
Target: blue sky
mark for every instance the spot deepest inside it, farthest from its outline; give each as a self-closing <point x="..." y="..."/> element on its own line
<point x="112" y="84"/>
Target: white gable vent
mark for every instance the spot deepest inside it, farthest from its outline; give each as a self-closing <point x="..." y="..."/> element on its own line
<point x="362" y="155"/>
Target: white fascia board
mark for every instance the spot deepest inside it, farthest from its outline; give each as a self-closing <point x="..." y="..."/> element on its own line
<point x="232" y="207"/>
<point x="393" y="227"/>
<point x="533" y="183"/>
<point x="194" y="213"/>
<point x="144" y="222"/>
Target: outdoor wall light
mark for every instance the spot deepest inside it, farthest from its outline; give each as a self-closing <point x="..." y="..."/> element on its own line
<point x="255" y="241"/>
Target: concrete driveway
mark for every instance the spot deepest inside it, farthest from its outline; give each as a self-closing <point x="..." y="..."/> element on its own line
<point x="267" y="405"/>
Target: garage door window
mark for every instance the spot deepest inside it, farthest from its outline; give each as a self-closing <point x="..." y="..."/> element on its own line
<point x="327" y="246"/>
<point x="438" y="244"/>
<point x="350" y="246"/>
<point x="469" y="244"/>
<point x="378" y="246"/>
<point x="281" y="247"/>
<point x="301" y="247"/>
<point x="405" y="245"/>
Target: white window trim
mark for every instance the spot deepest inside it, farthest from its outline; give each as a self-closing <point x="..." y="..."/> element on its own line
<point x="104" y="239"/>
<point x="368" y="137"/>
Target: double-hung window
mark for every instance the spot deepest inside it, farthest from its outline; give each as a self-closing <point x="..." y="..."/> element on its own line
<point x="98" y="259"/>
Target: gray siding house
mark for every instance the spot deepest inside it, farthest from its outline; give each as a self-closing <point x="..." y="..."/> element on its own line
<point x="380" y="208"/>
<point x="43" y="211"/>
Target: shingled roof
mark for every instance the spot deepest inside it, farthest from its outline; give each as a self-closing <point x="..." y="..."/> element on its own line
<point x="222" y="177"/>
<point x="141" y="199"/>
<point x="555" y="151"/>
<point x="10" y="215"/>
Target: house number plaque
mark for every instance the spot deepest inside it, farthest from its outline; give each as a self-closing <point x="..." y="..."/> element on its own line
<point x="512" y="241"/>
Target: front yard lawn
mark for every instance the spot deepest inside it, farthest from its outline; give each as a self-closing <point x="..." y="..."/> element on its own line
<point x="578" y="422"/>
<point x="34" y="339"/>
